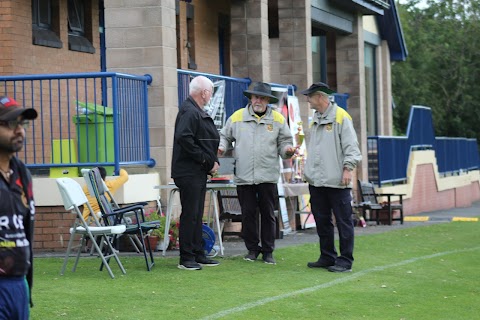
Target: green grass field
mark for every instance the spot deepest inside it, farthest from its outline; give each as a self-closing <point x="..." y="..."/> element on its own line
<point x="427" y="272"/>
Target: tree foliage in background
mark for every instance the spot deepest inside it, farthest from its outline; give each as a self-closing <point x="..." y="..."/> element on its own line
<point x="442" y="70"/>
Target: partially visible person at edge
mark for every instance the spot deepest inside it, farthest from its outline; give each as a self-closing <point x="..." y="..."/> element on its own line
<point x="17" y="212"/>
<point x="112" y="185"/>
<point x="194" y="157"/>
<point x="333" y="153"/>
<point x="260" y="135"/>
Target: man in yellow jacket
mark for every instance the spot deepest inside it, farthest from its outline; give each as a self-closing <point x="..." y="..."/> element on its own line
<point x="112" y="185"/>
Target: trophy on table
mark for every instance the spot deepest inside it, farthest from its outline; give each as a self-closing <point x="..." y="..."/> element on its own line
<point x="298" y="157"/>
<point x="299" y="136"/>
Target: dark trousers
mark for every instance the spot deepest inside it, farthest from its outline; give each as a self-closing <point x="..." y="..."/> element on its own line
<point x="251" y="197"/>
<point x="192" y="197"/>
<point x="14" y="298"/>
<point x="323" y="201"/>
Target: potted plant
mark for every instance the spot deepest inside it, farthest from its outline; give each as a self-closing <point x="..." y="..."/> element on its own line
<point x="155" y="235"/>
<point x="172" y="241"/>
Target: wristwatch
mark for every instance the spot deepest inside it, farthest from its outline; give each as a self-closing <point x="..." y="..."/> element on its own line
<point x="347" y="168"/>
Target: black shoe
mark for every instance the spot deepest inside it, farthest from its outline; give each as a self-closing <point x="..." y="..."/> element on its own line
<point x="337" y="268"/>
<point x="251" y="256"/>
<point x="204" y="261"/>
<point x="319" y="264"/>
<point x="189" y="265"/>
<point x="268" y="258"/>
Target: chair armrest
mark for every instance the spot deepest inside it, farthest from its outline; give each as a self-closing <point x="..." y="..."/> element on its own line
<point x="364" y="203"/>
<point x="390" y="195"/>
<point x="133" y="205"/>
<point x="132" y="208"/>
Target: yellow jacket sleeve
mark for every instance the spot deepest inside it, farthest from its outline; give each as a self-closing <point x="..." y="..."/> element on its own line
<point x="114" y="184"/>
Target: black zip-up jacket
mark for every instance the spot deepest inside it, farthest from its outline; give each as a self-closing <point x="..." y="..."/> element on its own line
<point x="195" y="142"/>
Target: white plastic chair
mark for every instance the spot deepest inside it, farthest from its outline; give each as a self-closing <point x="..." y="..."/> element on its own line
<point x="73" y="197"/>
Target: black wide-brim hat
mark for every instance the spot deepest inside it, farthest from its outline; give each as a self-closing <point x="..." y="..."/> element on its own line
<point x="318" y="86"/>
<point x="261" y="89"/>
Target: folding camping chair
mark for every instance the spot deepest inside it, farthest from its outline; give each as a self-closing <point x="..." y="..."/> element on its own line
<point x="133" y="238"/>
<point x="73" y="197"/>
<point x="113" y="216"/>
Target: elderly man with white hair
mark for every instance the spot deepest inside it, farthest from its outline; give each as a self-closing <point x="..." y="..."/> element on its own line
<point x="194" y="157"/>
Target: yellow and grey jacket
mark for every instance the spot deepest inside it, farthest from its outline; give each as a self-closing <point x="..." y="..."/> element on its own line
<point x="258" y="143"/>
<point x="332" y="146"/>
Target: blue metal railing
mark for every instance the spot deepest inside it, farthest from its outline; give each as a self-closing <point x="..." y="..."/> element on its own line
<point x="454" y="154"/>
<point x="234" y="87"/>
<point x="74" y="129"/>
<point x="291" y="88"/>
<point x="388" y="157"/>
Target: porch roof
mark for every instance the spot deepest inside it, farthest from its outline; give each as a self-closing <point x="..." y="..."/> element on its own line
<point x="391" y="31"/>
<point x="367" y="6"/>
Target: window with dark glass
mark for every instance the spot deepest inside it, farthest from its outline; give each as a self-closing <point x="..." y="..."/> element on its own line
<point x="371" y="89"/>
<point x="76" y="17"/>
<point x="41" y="14"/>
<point x="319" y="55"/>
<point x="78" y="39"/>
<point x="45" y="25"/>
<point x="191" y="37"/>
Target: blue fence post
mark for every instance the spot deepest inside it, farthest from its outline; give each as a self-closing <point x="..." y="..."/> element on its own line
<point x="341" y="99"/>
<point x="453" y="154"/>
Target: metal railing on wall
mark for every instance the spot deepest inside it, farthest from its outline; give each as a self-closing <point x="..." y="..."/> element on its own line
<point x="234" y="87"/>
<point x="85" y="119"/>
<point x="388" y="157"/>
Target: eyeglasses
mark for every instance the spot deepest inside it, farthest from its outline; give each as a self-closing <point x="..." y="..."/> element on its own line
<point x="211" y="92"/>
<point x="13" y="124"/>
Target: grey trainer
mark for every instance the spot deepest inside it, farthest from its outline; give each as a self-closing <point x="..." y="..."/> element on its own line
<point x="268" y="258"/>
<point x="251" y="256"/>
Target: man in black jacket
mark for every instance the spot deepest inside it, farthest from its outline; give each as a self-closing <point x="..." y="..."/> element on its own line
<point x="194" y="157"/>
<point x="17" y="212"/>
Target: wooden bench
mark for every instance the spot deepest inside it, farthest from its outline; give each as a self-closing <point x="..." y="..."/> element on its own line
<point x="230" y="210"/>
<point x="372" y="209"/>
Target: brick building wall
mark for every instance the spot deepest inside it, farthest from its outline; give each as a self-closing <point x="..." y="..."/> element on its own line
<point x="426" y="196"/>
<point x="52" y="228"/>
<point x="20" y="56"/>
<point x="206" y="43"/>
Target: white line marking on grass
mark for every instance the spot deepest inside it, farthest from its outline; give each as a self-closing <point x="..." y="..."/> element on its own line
<point x="329" y="284"/>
